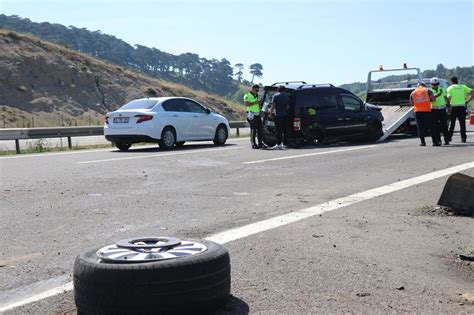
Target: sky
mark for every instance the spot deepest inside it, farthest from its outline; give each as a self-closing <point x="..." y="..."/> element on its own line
<point x="319" y="41"/>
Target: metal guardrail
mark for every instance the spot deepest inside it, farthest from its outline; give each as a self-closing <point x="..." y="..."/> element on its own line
<point x="18" y="134"/>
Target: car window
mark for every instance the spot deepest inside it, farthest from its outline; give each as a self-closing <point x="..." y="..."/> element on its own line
<point x="351" y="103"/>
<point x="317" y="102"/>
<point x="140" y="104"/>
<point x="193" y="107"/>
<point x="174" y="105"/>
<point x="268" y="98"/>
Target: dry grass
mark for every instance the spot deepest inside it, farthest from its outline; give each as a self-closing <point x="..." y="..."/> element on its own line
<point x="122" y="84"/>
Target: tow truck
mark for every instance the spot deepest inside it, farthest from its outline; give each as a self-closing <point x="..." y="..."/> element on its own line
<point x="389" y="90"/>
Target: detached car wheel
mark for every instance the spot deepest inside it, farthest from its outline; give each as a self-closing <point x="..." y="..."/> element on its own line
<point x="136" y="277"/>
<point x="221" y="135"/>
<point x="123" y="146"/>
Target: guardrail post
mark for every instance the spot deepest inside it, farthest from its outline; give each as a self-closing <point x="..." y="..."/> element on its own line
<point x="17" y="146"/>
<point x="69" y="142"/>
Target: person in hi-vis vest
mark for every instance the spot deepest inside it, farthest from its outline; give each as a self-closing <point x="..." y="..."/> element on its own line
<point x="421" y="99"/>
<point x="439" y="110"/>
<point x="252" y="104"/>
<point x="459" y="95"/>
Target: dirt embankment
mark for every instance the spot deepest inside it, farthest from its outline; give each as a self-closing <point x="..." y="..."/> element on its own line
<point x="44" y="84"/>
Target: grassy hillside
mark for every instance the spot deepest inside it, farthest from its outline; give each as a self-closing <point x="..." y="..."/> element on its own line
<point x="44" y="84"/>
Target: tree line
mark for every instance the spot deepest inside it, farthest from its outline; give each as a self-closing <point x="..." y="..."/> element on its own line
<point x="210" y="75"/>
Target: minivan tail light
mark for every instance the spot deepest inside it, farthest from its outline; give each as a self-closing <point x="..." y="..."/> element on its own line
<point x="142" y="118"/>
<point x="296" y="124"/>
<point x="106" y="119"/>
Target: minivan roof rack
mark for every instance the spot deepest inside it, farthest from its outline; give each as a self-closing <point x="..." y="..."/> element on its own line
<point x="315" y="85"/>
<point x="288" y="82"/>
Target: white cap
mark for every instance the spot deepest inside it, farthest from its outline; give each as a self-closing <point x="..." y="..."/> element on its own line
<point x="434" y="81"/>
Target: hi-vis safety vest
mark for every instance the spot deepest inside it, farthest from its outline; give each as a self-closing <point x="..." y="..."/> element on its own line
<point x="440" y="102"/>
<point x="255" y="108"/>
<point x="421" y="100"/>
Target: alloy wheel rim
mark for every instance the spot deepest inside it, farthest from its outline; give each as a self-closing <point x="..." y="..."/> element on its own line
<point x="168" y="138"/>
<point x="221" y="135"/>
<point x="148" y="249"/>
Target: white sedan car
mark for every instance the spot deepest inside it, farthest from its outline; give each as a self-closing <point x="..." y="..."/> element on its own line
<point x="170" y="121"/>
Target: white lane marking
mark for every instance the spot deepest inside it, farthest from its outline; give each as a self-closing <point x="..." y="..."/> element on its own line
<point x="45" y="154"/>
<point x="38" y="297"/>
<point x="35" y="155"/>
<point x="156" y="155"/>
<point x="265" y="225"/>
<point x="282" y="220"/>
<point x="311" y="154"/>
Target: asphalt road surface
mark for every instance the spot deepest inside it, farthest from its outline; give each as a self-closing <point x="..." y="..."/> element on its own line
<point x="321" y="229"/>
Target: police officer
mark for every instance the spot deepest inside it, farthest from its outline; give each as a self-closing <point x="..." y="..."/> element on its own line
<point x="438" y="112"/>
<point x="253" y="116"/>
<point x="421" y="99"/>
<point x="457" y="95"/>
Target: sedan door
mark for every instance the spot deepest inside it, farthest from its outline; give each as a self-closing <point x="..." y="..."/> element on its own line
<point x="202" y="125"/>
<point x="177" y="116"/>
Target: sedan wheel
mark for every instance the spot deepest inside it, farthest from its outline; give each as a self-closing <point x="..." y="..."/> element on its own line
<point x="221" y="135"/>
<point x="152" y="275"/>
<point x="168" y="139"/>
<point x="123" y="146"/>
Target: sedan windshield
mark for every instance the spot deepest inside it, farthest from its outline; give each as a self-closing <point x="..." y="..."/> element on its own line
<point x="139" y="104"/>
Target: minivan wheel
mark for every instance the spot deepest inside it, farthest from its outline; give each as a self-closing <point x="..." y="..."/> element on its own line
<point x="123" y="146"/>
<point x="375" y="131"/>
<point x="179" y="144"/>
<point x="221" y="135"/>
<point x="192" y="277"/>
<point x="168" y="139"/>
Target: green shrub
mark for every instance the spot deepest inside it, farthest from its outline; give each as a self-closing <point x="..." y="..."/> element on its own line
<point x="39" y="145"/>
<point x="14" y="35"/>
<point x="151" y="92"/>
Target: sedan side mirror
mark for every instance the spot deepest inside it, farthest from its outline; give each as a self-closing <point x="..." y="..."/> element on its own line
<point x="208" y="111"/>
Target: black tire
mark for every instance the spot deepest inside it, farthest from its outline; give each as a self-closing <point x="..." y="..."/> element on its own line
<point x="179" y="144"/>
<point x="375" y="131"/>
<point x="221" y="135"/>
<point x="199" y="282"/>
<point x="168" y="138"/>
<point x="268" y="136"/>
<point x="123" y="146"/>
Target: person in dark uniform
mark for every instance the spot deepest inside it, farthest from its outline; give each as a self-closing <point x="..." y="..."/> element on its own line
<point x="279" y="108"/>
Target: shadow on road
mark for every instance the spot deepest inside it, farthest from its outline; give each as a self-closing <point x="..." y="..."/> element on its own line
<point x="233" y="306"/>
<point x="186" y="147"/>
